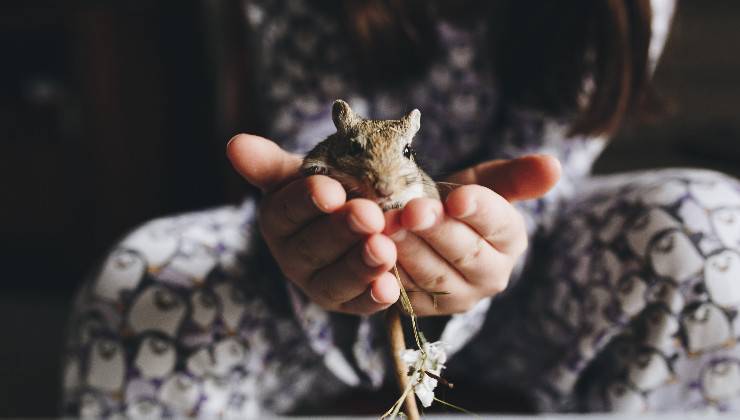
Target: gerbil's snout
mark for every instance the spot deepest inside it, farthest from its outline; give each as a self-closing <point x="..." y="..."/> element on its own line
<point x="383" y="189"/>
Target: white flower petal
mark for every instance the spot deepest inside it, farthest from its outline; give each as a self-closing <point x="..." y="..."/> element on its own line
<point x="410" y="357"/>
<point x="426" y="396"/>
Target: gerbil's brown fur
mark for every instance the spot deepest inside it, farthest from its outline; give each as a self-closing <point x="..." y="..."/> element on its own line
<point x="372" y="158"/>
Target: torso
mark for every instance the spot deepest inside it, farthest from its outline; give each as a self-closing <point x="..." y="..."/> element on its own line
<point x="306" y="65"/>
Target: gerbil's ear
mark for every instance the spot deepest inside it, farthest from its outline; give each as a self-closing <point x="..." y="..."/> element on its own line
<point x="413" y="122"/>
<point x="343" y="116"/>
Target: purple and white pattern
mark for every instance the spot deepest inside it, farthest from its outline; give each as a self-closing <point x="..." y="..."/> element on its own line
<point x="169" y="326"/>
<point x="626" y="301"/>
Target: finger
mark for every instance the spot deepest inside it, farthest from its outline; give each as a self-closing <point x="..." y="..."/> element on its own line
<point x="429" y="272"/>
<point x="479" y="263"/>
<point x="324" y="240"/>
<point x="392" y="221"/>
<point x="437" y="302"/>
<point x="516" y="179"/>
<point x="288" y="209"/>
<point x="350" y="275"/>
<point x="262" y="162"/>
<point x="382" y="293"/>
<point x="491" y="216"/>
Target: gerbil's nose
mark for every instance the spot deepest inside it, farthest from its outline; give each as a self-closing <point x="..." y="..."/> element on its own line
<point x="383" y="189"/>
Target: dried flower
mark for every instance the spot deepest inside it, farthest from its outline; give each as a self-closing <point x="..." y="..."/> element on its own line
<point x="430" y="359"/>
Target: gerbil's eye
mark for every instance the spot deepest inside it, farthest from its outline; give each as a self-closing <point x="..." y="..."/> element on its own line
<point x="355" y="148"/>
<point x="408" y="152"/>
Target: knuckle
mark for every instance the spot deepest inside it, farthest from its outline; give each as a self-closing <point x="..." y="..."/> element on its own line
<point x="431" y="282"/>
<point x="292" y="272"/>
<point x="472" y="256"/>
<point x="331" y="294"/>
<point x="354" y="266"/>
<point x="289" y="219"/>
<point x="493" y="235"/>
<point x="308" y="253"/>
<point x="276" y="216"/>
<point x="325" y="291"/>
<point x="324" y="295"/>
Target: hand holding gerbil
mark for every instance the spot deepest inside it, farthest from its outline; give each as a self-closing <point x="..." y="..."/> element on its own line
<point x="336" y="250"/>
<point x="465" y="247"/>
<point x="468" y="244"/>
<point x="329" y="247"/>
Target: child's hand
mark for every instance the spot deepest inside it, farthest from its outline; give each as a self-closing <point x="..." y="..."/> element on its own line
<point x="334" y="250"/>
<point x="468" y="246"/>
<point x="331" y="248"/>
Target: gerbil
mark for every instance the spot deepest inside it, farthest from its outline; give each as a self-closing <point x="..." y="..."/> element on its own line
<point x="372" y="159"/>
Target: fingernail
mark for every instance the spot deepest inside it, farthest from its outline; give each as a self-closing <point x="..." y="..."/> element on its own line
<point x="372" y="296"/>
<point x="230" y="140"/>
<point x="427" y="221"/>
<point x="316" y="203"/>
<point x="355" y="224"/>
<point x="399" y="236"/>
<point x="470" y="210"/>
<point x="370" y="259"/>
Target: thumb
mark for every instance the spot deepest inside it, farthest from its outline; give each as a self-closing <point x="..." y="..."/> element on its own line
<point x="262" y="162"/>
<point x="517" y="179"/>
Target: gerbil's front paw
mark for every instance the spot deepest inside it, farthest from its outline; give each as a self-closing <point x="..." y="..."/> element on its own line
<point x="314" y="168"/>
<point x="392" y="205"/>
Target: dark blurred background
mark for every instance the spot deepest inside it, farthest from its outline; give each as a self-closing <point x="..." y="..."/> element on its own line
<point x="114" y="112"/>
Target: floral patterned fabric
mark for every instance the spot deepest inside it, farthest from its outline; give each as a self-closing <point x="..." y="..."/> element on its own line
<point x="626" y="300"/>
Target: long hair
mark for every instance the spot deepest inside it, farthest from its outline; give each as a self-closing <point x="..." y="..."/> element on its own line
<point x="586" y="60"/>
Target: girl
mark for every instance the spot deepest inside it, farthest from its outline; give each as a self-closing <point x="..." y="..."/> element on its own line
<point x="624" y="301"/>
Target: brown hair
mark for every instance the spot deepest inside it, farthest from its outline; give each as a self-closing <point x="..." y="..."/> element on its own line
<point x="542" y="51"/>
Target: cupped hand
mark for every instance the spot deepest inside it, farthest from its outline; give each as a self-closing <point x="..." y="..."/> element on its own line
<point x="331" y="248"/>
<point x="338" y="251"/>
<point x="466" y="246"/>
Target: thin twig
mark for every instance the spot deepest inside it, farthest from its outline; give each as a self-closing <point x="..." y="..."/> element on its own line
<point x="455" y="407"/>
<point x="398" y="345"/>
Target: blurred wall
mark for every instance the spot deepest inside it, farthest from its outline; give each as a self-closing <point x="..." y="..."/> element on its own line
<point x="106" y="120"/>
<point x="699" y="80"/>
<point x="108" y="117"/>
